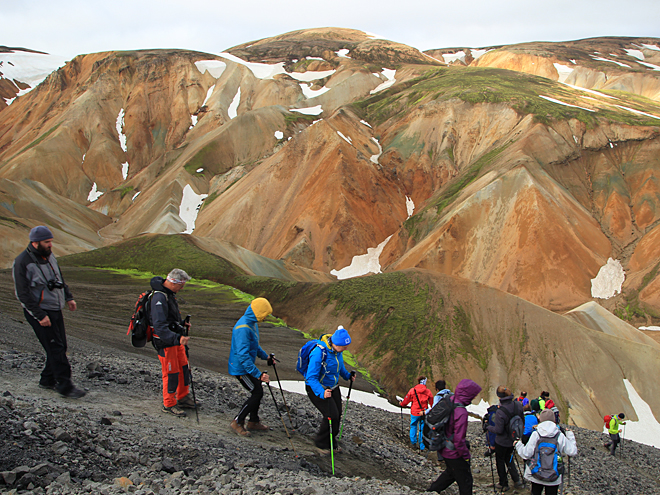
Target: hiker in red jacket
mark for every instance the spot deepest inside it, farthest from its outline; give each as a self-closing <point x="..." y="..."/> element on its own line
<point x="420" y="397"/>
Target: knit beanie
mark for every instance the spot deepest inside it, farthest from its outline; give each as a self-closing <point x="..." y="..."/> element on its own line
<point x="547" y="415"/>
<point x="261" y="308"/>
<point x="341" y="337"/>
<point x="40" y="233"/>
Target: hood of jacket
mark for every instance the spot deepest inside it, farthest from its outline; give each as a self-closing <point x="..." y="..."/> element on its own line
<point x="249" y="316"/>
<point x="547" y="429"/>
<point x="466" y="391"/>
<point x="157" y="284"/>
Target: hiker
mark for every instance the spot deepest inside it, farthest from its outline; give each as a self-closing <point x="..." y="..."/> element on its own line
<point x="503" y="440"/>
<point x="41" y="290"/>
<point x="613" y="430"/>
<point x="326" y="365"/>
<point x="457" y="459"/>
<point x="531" y="420"/>
<point x="523" y="398"/>
<point x="539" y="404"/>
<point x="244" y="350"/>
<point x="486" y="421"/>
<point x="550" y="404"/>
<point x="419" y="397"/>
<point x="543" y="466"/>
<point x="170" y="339"/>
<point x="441" y="392"/>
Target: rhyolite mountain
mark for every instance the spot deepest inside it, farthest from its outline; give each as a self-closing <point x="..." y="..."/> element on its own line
<point x="529" y="166"/>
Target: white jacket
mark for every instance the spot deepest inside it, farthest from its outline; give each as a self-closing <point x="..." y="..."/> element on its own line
<point x="565" y="444"/>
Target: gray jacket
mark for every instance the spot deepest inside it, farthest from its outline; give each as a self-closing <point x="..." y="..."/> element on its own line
<point x="501" y="420"/>
<point x="31" y="273"/>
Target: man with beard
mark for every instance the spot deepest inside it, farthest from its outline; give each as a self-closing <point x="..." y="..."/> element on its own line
<point x="42" y="292"/>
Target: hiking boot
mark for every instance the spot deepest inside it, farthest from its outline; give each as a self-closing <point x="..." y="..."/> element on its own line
<point x="179" y="413"/>
<point x="519" y="484"/>
<point x="46" y="386"/>
<point x="239" y="429"/>
<point x="489" y="453"/>
<point x="188" y="403"/>
<point x="74" y="393"/>
<point x="256" y="426"/>
<point x="501" y="488"/>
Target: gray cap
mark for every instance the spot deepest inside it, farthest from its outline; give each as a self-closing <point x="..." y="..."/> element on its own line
<point x="40" y="233"/>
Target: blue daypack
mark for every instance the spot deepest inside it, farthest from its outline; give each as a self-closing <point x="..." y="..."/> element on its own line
<point x="547" y="465"/>
<point x="305" y="351"/>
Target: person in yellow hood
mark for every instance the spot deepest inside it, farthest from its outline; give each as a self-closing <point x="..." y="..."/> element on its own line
<point x="245" y="349"/>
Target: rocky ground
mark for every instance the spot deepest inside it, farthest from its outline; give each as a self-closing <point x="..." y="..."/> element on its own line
<point x="116" y="440"/>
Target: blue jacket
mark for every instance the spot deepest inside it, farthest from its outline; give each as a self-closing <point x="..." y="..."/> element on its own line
<point x="321" y="375"/>
<point x="245" y="346"/>
<point x="530" y="422"/>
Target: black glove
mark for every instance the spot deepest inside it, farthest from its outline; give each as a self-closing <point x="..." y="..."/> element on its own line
<point x="353" y="373"/>
<point x="271" y="360"/>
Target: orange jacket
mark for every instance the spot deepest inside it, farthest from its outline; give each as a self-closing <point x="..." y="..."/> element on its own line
<point x="425" y="397"/>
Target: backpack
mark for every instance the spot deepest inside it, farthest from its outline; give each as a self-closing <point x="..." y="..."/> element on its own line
<point x="435" y="427"/>
<point x="547" y="464"/>
<point x="607" y="418"/>
<point x="139" y="327"/>
<point x="516" y="425"/>
<point x="305" y="351"/>
<point x="534" y="404"/>
<point x="489" y="420"/>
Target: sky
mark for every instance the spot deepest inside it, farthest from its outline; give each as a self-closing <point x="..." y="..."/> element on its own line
<point x="72" y="27"/>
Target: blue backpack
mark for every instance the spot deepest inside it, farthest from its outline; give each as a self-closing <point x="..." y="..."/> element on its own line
<point x="547" y="465"/>
<point x="305" y="351"/>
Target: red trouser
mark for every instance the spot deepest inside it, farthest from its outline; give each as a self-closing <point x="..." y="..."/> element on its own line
<point x="174" y="364"/>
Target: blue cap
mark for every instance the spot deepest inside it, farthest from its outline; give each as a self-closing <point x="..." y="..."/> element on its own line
<point x="40" y="233"/>
<point x="341" y="337"/>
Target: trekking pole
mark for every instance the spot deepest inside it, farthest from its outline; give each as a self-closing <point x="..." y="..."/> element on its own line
<point x="272" y="356"/>
<point x="332" y="447"/>
<point x="192" y="382"/>
<point x="282" y="419"/>
<point x="623" y="436"/>
<point x="348" y="398"/>
<point x="492" y="473"/>
<point x="400" y="399"/>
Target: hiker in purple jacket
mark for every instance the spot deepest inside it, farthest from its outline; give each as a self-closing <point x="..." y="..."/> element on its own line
<point x="457" y="459"/>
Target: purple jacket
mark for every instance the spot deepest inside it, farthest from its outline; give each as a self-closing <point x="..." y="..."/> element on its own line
<point x="466" y="391"/>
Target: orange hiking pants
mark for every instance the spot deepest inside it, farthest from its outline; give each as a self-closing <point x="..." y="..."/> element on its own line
<point x="176" y="376"/>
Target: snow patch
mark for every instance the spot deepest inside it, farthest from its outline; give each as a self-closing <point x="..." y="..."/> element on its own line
<point x="260" y="71"/>
<point x="83" y="158"/>
<point x="647" y="429"/>
<point x="652" y="66"/>
<point x="348" y="140"/>
<point x="313" y="93"/>
<point x="564" y="71"/>
<point x="478" y="53"/>
<point x="200" y="170"/>
<point x="608" y="60"/>
<point x="120" y="130"/>
<point x="343" y="53"/>
<point x="362" y="264"/>
<point x="389" y="75"/>
<point x="191" y="202"/>
<point x="208" y="94"/>
<point x="314" y="58"/>
<point x="213" y="67"/>
<point x="193" y="119"/>
<point x="573" y="61"/>
<point x="135" y="195"/>
<point x="310" y="75"/>
<point x="29" y="68"/>
<point x="374" y="158"/>
<point x="94" y="194"/>
<point x="598" y="93"/>
<point x="635" y="53"/>
<point x="365" y="123"/>
<point x="279" y="135"/>
<point x="651" y="328"/>
<point x="233" y="108"/>
<point x="316" y="110"/>
<point x="609" y="280"/>
<point x="124" y="170"/>
<point x="452" y="57"/>
<point x="410" y="206"/>
<point x="651" y="47"/>
<point x="638" y="112"/>
<point x="565" y="104"/>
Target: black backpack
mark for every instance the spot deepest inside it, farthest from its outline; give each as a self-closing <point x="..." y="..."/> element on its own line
<point x="435" y="427"/>
<point x="140" y="328"/>
<point x="515" y="426"/>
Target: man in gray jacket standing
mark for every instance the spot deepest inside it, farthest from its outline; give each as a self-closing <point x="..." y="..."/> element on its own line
<point x="42" y="292"/>
<point x="503" y="440"/>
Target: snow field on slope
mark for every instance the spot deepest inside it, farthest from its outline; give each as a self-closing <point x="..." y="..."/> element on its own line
<point x="647" y="429"/>
<point x="191" y="202"/>
<point x="609" y="280"/>
<point x="268" y="71"/>
<point x="389" y="75"/>
<point x="362" y="264"/>
<point x="233" y="108"/>
<point x="94" y="194"/>
<point x="29" y="68"/>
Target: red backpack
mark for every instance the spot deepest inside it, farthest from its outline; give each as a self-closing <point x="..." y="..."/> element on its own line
<point x="607" y="418"/>
<point x="139" y="328"/>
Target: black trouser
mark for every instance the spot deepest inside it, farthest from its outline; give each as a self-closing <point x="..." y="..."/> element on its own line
<point x="458" y="470"/>
<point x="251" y="406"/>
<point x="537" y="489"/>
<point x="504" y="460"/>
<point x="330" y="408"/>
<point x="614" y="441"/>
<point x="57" y="371"/>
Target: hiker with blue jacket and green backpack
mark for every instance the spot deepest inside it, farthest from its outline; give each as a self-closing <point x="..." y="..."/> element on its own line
<point x="545" y="452"/>
<point x="322" y="363"/>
